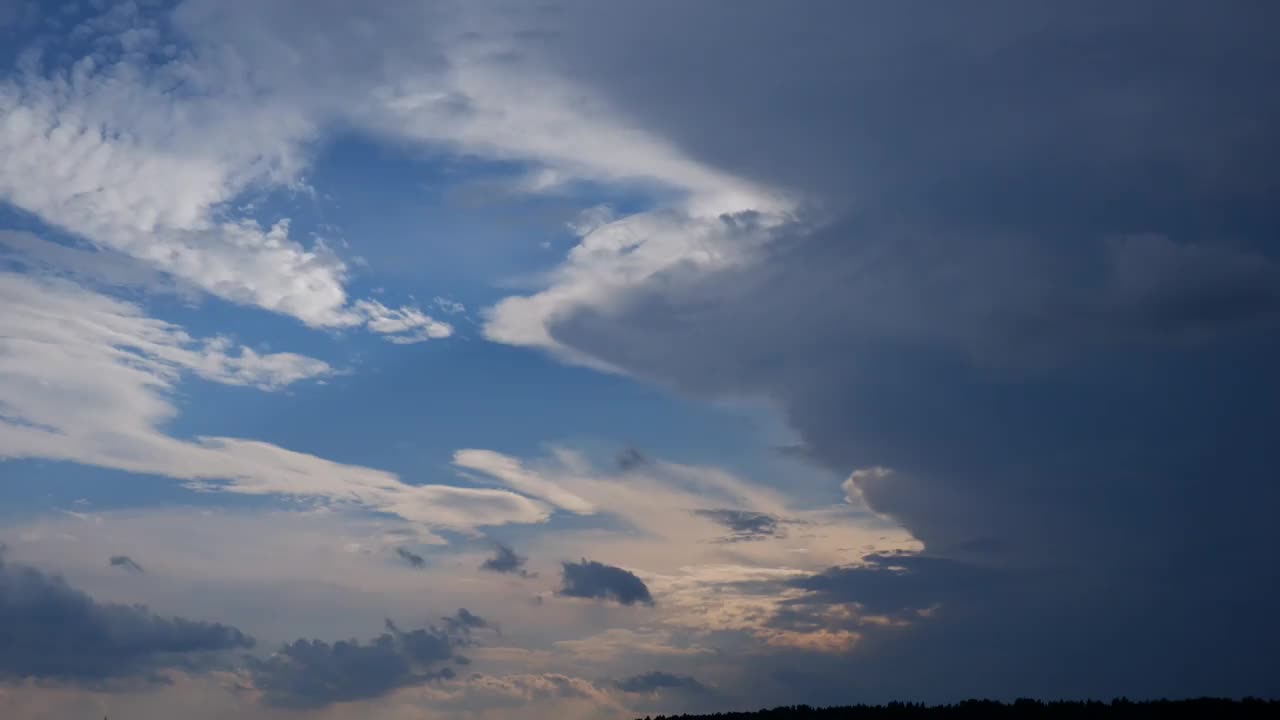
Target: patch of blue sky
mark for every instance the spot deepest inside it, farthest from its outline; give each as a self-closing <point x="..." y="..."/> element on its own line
<point x="427" y="222"/>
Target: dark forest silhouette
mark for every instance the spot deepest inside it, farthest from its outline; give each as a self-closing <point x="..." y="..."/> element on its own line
<point x="1023" y="708"/>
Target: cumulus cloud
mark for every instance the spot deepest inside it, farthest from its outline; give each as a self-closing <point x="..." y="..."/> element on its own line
<point x="464" y="621"/>
<point x="125" y="562"/>
<point x="597" y="581"/>
<point x="54" y="631"/>
<point x="314" y="673"/>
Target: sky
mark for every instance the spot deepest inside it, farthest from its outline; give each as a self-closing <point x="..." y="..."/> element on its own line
<point x="605" y="359"/>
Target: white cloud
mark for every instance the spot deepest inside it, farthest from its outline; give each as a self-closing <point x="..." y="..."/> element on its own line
<point x="512" y="473"/>
<point x="485" y="105"/>
<point x="402" y="326"/>
<point x="86" y="378"/>
<point x="453" y="307"/>
<point x="146" y="159"/>
<point x="621" y="255"/>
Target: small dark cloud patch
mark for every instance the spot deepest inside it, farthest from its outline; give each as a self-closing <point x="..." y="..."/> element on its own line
<point x="126" y="563"/>
<point x="411" y="557"/>
<point x="506" y="560"/>
<point x="50" y="630"/>
<point x="314" y="673"/>
<point x="652" y="682"/>
<point x="464" y="621"/>
<point x="591" y="579"/>
<point x="744" y="524"/>
<point x="630" y="459"/>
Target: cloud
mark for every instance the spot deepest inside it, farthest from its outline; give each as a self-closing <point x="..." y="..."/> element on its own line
<point x="87" y="265"/>
<point x="1008" y="279"/>
<point x="125" y="562"/>
<point x="108" y="150"/>
<point x="591" y="579"/>
<point x="656" y="680"/>
<point x="745" y="525"/>
<point x="54" y="631"/>
<point x="949" y="246"/>
<point x="88" y="378"/>
<point x="896" y="584"/>
<point x="860" y="478"/>
<point x="613" y="644"/>
<point x="505" y="560"/>
<point x="547" y="694"/>
<point x="313" y="673"/>
<point x="515" y="475"/>
<point x="411" y="557"/>
<point x="452" y="307"/>
<point x="464" y="621"/>
<point x="99" y="141"/>
<point x="630" y="458"/>
<point x="649" y="497"/>
<point x="402" y="326"/>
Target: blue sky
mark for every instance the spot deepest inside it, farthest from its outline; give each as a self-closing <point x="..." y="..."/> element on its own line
<point x="437" y="359"/>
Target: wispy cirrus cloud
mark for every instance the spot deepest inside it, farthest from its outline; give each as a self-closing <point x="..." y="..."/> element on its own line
<point x="88" y="379"/>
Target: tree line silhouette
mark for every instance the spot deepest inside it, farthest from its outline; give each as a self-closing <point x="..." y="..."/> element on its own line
<point x="1017" y="710"/>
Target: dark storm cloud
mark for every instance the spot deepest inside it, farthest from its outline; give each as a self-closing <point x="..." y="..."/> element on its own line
<point x="505" y="560"/>
<point x="1039" y="280"/>
<point x="746" y="525"/>
<point x="50" y="630"/>
<point x="591" y="579"/>
<point x="651" y="682"/>
<point x="895" y="583"/>
<point x="125" y="562"/>
<point x="313" y="673"/>
<point x="411" y="557"/>
<point x="1054" y="107"/>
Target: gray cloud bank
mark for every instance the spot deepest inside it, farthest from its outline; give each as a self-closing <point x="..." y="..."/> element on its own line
<point x="314" y="673"/>
<point x="656" y="680"/>
<point x="50" y="630"/>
